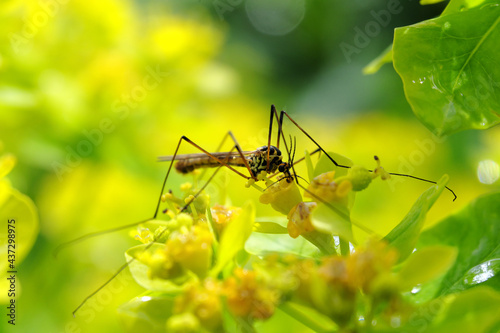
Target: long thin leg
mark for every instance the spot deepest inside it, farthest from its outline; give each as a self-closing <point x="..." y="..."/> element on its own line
<point x="273" y="111"/>
<point x="238" y="148"/>
<point x="94" y="234"/>
<point x="149" y="244"/>
<point x="310" y="138"/>
<point x="345" y="166"/>
<point x="317" y="150"/>
<point x="240" y="151"/>
<point x="221" y="162"/>
<point x="338" y="211"/>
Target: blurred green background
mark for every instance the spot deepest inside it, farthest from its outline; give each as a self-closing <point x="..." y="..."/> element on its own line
<point x="91" y="92"/>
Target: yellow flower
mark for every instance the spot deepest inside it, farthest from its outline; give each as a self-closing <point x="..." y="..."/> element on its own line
<point x="376" y="258"/>
<point x="299" y="219"/>
<point x="282" y="195"/>
<point x="203" y="301"/>
<point x="324" y="187"/>
<point x="248" y="298"/>
<point x="143" y="235"/>
<point x="222" y="216"/>
<point x="161" y="265"/>
<point x="192" y="250"/>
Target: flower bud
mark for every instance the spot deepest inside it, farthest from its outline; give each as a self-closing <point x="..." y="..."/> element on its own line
<point x="282" y="196"/>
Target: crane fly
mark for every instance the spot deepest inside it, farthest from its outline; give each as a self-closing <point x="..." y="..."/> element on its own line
<point x="258" y="163"/>
<point x="256" y="160"/>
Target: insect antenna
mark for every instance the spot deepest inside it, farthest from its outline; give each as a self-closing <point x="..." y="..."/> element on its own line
<point x="424" y="180"/>
<point x="283" y="113"/>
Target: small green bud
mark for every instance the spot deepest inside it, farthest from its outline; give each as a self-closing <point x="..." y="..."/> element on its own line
<point x="360" y="178"/>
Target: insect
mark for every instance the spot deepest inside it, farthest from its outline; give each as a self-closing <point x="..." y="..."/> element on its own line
<point x="259" y="163"/>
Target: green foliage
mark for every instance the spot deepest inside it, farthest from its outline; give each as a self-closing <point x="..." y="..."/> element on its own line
<point x="425" y="265"/>
<point x="146" y="312"/>
<point x="475" y="232"/>
<point x="234" y="237"/>
<point x="449" y="77"/>
<point x="92" y="91"/>
<point x="474" y="310"/>
<point x="445" y="63"/>
<point x="405" y="235"/>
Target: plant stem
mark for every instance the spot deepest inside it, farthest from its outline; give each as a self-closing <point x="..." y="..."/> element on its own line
<point x="294" y="311"/>
<point x="344" y="247"/>
<point x="323" y="242"/>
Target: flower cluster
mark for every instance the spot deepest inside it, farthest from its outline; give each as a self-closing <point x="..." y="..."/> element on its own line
<point x="187" y="252"/>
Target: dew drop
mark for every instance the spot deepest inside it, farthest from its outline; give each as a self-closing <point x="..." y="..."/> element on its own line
<point x="483" y="272"/>
<point x="416" y="289"/>
<point x="488" y="172"/>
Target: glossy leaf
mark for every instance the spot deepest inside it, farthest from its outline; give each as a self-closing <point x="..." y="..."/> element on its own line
<point x="405" y="235"/>
<point x="430" y="2"/>
<point x="476" y="310"/>
<point x="426" y="264"/>
<point x="455" y="6"/>
<point x="327" y="220"/>
<point x="146" y="313"/>
<point x="447" y="65"/>
<point x="234" y="237"/>
<point x="475" y="231"/>
<point x="269" y="228"/>
<point x="262" y="244"/>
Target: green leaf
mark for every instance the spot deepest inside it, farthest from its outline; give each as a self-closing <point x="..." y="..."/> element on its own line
<point x="324" y="242"/>
<point x="327" y="220"/>
<point x="309" y="166"/>
<point x="309" y="317"/>
<point x="476" y="310"/>
<point x="234" y="237"/>
<point x="426" y="264"/>
<point x="326" y="165"/>
<point x="405" y="235"/>
<point x="147" y="313"/>
<point x="455" y="6"/>
<point x="475" y="231"/>
<point x="430" y="2"/>
<point x="384" y="58"/>
<point x="269" y="228"/>
<point x="140" y="271"/>
<point x="447" y="65"/>
<point x="262" y="244"/>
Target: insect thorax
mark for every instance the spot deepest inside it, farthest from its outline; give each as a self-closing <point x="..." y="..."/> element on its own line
<point x="258" y="162"/>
